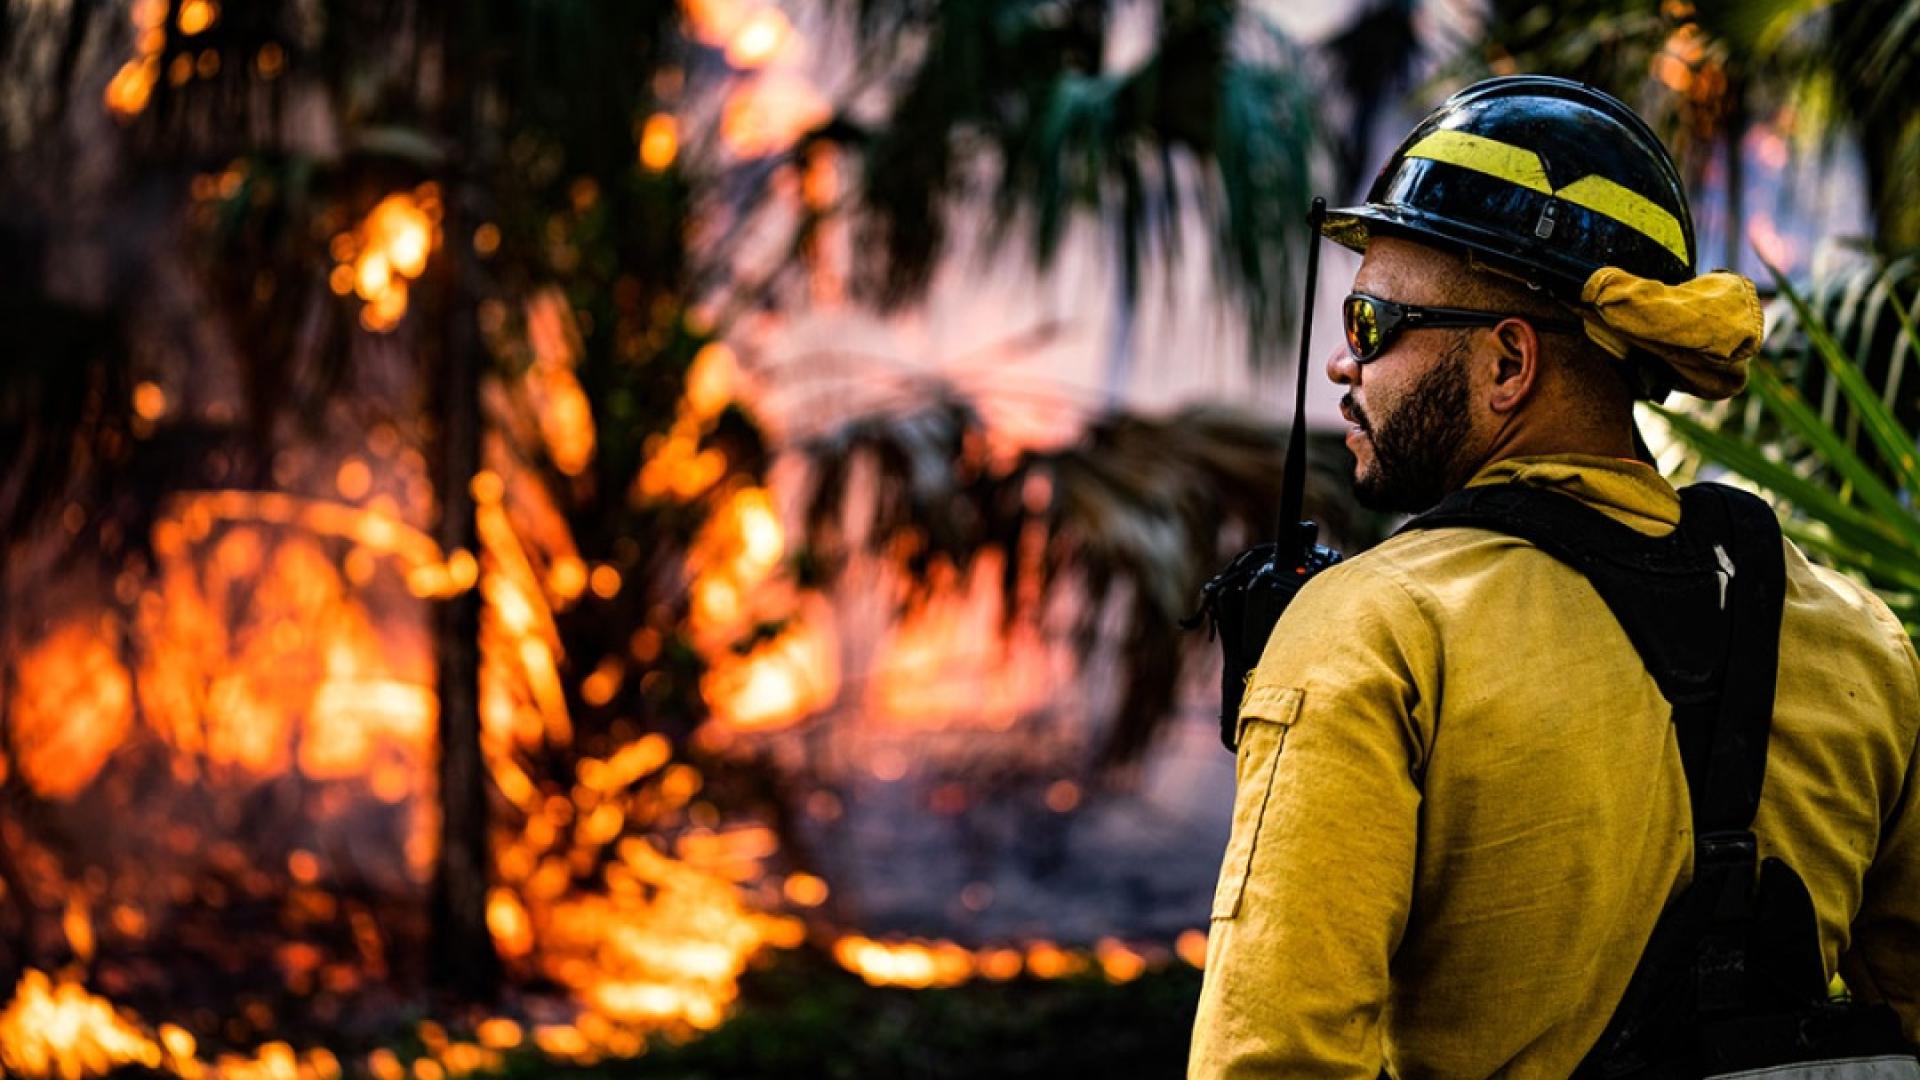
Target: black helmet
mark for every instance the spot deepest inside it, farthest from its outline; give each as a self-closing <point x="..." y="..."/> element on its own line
<point x="1546" y="178"/>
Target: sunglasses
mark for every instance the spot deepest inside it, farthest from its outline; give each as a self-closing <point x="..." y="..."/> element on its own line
<point x="1373" y="323"/>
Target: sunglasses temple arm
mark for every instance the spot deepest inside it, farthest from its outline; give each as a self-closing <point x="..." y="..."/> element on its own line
<point x="1294" y="480"/>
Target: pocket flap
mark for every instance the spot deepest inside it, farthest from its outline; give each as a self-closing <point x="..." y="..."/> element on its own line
<point x="1264" y="719"/>
<point x="1269" y="702"/>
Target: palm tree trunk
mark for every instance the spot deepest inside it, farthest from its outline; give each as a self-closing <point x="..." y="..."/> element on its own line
<point x="463" y="963"/>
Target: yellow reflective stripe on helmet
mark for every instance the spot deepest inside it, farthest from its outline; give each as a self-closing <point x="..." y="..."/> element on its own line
<point x="1519" y="165"/>
<point x="1514" y="164"/>
<point x="1629" y="208"/>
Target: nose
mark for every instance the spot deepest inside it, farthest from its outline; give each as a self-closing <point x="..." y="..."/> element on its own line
<point x="1341" y="368"/>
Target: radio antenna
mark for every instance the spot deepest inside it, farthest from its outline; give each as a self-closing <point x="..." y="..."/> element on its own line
<point x="1293" y="484"/>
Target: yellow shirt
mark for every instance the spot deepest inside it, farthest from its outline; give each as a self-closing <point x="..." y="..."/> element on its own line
<point x="1460" y="807"/>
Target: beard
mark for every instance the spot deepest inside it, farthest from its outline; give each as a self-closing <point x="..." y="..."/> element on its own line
<point x="1416" y="444"/>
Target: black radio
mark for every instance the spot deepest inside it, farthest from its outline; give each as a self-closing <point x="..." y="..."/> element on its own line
<point x="1243" y="602"/>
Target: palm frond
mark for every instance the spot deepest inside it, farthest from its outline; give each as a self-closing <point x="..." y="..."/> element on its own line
<point x="1373" y="58"/>
<point x="1859" y="309"/>
<point x="1892" y="440"/>
<point x="1846" y="521"/>
<point x="1137" y="513"/>
<point x="1220" y="90"/>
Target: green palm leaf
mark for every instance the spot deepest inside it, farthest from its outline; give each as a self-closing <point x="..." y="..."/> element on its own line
<point x="1743" y="458"/>
<point x="1808" y="458"/>
<point x="1861" y="306"/>
<point x="1832" y="450"/>
<point x="1895" y="444"/>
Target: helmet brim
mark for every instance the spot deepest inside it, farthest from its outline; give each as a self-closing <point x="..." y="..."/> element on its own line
<point x="1354" y="227"/>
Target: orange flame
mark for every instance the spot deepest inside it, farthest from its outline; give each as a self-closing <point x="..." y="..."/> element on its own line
<point x="566" y="417"/>
<point x="911" y="964"/>
<point x="932" y="670"/>
<point x="1119" y="963"/>
<point x="711" y="381"/>
<point x="131" y="87"/>
<point x="1191" y="946"/>
<point x="659" y="142"/>
<point x="779" y="681"/>
<point x="260" y="645"/>
<point x="777" y="684"/>
<point x="507" y="919"/>
<point x="61" y="1032"/>
<point x="714" y="22"/>
<point x="944" y="963"/>
<point x="74" y="707"/>
<point x="759" y="39"/>
<point x="296" y="673"/>
<point x="385" y="251"/>
<point x="196" y="16"/>
<point x="664" y="944"/>
<point x="676" y="467"/>
<point x="769" y="113"/>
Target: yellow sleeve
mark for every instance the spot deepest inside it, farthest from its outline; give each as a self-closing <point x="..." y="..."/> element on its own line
<point x="1315" y="887"/>
<point x="1882" y="961"/>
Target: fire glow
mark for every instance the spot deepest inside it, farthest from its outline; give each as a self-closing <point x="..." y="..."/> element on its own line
<point x="130" y="88"/>
<point x="923" y="965"/>
<point x="275" y="652"/>
<point x="734" y="565"/>
<point x="388" y="249"/>
<point x="257" y="657"/>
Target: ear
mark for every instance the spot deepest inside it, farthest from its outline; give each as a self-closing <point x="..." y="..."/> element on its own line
<point x="1513" y="366"/>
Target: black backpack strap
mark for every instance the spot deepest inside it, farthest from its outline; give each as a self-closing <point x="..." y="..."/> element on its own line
<point x="1665" y="592"/>
<point x="1758" y="974"/>
<point x="1730" y="743"/>
<point x="1702" y="606"/>
<point x="1744" y="528"/>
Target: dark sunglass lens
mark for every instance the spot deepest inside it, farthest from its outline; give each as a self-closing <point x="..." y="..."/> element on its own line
<point x="1363" y="327"/>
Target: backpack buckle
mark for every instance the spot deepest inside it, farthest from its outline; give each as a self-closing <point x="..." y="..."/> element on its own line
<point x="1728" y="847"/>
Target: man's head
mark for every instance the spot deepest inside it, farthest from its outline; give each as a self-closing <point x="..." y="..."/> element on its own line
<point x="1556" y="189"/>
<point x="1439" y="403"/>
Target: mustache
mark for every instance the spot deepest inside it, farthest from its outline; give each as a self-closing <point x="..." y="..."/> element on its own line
<point x="1355" y="413"/>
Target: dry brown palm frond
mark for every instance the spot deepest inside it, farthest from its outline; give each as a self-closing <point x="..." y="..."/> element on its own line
<point x="1133" y="516"/>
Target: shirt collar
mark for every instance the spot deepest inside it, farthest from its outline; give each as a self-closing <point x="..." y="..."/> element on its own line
<point x="1631" y="492"/>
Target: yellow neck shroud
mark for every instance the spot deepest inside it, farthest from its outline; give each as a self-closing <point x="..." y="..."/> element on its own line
<point x="1706" y="329"/>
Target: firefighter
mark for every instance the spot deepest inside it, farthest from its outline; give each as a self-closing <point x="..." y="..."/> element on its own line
<point x="1460" y="805"/>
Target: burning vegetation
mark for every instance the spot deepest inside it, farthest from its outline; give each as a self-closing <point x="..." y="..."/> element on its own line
<point x="223" y="807"/>
<point x="258" y="728"/>
<point x="219" y="762"/>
